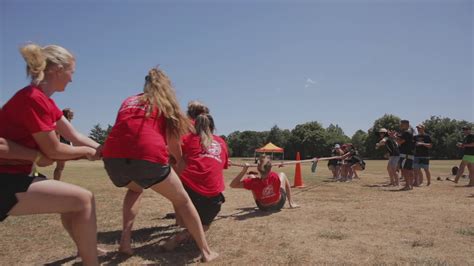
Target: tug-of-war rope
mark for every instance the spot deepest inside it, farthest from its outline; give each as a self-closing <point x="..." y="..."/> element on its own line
<point x="280" y="164"/>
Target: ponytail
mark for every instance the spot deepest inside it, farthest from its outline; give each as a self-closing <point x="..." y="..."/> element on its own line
<point x="38" y="59"/>
<point x="204" y="127"/>
<point x="159" y="93"/>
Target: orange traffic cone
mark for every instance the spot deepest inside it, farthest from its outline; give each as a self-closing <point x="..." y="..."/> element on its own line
<point x="298" y="179"/>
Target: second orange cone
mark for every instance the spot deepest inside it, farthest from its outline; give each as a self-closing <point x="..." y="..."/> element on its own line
<point x="298" y="178"/>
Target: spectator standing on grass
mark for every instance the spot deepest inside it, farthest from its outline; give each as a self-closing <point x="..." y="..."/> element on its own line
<point x="406" y="144"/>
<point x="423" y="144"/>
<point x="393" y="155"/>
<point x="468" y="156"/>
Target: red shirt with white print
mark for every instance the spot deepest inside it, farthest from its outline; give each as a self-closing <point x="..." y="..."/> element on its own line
<point x="28" y="112"/>
<point x="267" y="190"/>
<point x="203" y="172"/>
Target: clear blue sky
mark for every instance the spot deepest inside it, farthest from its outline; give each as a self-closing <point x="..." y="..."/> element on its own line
<point x="256" y="64"/>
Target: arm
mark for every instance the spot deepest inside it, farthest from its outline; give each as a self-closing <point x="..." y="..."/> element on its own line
<point x="174" y="148"/>
<point x="237" y="181"/>
<point x="49" y="144"/>
<point x="11" y="150"/>
<point x="380" y="143"/>
<point x="65" y="129"/>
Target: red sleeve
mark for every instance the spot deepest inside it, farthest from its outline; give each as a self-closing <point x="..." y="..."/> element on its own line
<point x="39" y="115"/>
<point x="226" y="154"/>
<point x="248" y="183"/>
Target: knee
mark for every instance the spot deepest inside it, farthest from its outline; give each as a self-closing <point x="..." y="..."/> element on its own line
<point x="84" y="200"/>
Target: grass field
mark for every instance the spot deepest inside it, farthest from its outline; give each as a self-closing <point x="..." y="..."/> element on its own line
<point x="361" y="222"/>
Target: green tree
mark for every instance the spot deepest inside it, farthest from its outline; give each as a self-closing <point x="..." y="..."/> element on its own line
<point x="98" y="134"/>
<point x="334" y="135"/>
<point x="359" y="140"/>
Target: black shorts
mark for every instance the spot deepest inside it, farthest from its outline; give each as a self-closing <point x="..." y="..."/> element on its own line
<point x="146" y="174"/>
<point x="277" y="206"/>
<point x="332" y="162"/>
<point x="10" y="184"/>
<point x="405" y="163"/>
<point x="207" y="207"/>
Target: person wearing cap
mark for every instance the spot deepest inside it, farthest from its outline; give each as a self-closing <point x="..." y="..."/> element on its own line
<point x="423" y="144"/>
<point x="393" y="153"/>
<point x="334" y="165"/>
<point x="468" y="159"/>
<point x="407" y="153"/>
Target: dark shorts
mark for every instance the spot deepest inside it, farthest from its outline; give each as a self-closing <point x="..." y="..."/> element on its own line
<point x="144" y="173"/>
<point x="277" y="206"/>
<point x="421" y="163"/>
<point x="405" y="163"/>
<point x="207" y="207"/>
<point x="10" y="184"/>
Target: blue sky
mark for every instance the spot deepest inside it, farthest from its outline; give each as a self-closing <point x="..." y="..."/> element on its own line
<point x="259" y="63"/>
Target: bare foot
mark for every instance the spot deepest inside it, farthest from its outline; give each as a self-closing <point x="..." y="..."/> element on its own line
<point x="209" y="257"/>
<point x="126" y="250"/>
<point x="100" y="252"/>
<point x="428" y="184"/>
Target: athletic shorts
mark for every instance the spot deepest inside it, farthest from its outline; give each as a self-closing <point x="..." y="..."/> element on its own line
<point x="146" y="174"/>
<point x="393" y="161"/>
<point x="405" y="163"/>
<point x="421" y="163"/>
<point x="207" y="207"/>
<point x="10" y="184"/>
<point x="468" y="158"/>
<point x="275" y="207"/>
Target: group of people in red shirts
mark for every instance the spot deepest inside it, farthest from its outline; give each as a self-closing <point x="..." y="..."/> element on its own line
<point x="152" y="144"/>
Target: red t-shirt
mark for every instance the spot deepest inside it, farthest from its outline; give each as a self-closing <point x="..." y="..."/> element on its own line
<point x="136" y="135"/>
<point x="204" y="168"/>
<point x="29" y="111"/>
<point x="266" y="191"/>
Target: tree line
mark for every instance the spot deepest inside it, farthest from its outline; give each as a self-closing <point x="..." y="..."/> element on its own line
<point x="311" y="139"/>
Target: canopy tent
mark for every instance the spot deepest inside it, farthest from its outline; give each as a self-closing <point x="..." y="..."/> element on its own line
<point x="270" y="148"/>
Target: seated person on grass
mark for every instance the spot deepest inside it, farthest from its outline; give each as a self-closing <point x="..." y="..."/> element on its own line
<point x="269" y="189"/>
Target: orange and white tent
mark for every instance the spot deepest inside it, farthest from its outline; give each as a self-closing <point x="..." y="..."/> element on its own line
<point x="270" y="148"/>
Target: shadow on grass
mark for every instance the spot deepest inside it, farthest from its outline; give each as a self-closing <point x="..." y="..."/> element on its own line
<point x="246" y="213"/>
<point x="183" y="255"/>
<point x="141" y="235"/>
<point x="61" y="261"/>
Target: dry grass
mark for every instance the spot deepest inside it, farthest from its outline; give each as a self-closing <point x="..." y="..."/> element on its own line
<point x="361" y="222"/>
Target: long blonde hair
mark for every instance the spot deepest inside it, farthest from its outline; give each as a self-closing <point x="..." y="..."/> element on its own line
<point x="159" y="93"/>
<point x="204" y="127"/>
<point x="38" y="59"/>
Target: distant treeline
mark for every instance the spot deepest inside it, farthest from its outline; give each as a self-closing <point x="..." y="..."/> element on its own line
<point x="311" y="139"/>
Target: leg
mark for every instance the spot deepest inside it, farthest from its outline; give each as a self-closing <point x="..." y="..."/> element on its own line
<point x="131" y="205"/>
<point x="462" y="166"/>
<point x="172" y="189"/>
<point x="471" y="174"/>
<point x="428" y="176"/>
<point x="59" y="170"/>
<point x="285" y="185"/>
<point x="49" y="196"/>
<point x="408" y="174"/>
<point x="390" y="174"/>
<point x="417" y="176"/>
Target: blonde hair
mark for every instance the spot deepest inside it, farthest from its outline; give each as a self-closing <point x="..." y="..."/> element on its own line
<point x="204" y="127"/>
<point x="159" y="93"/>
<point x="38" y="59"/>
<point x="196" y="108"/>
<point x="264" y="165"/>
